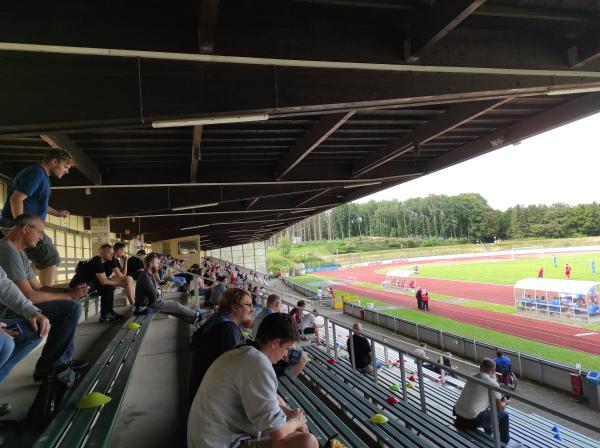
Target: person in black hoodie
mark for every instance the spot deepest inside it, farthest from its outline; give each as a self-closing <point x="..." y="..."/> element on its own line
<point x="220" y="333"/>
<point x="148" y="294"/>
<point x="419" y="296"/>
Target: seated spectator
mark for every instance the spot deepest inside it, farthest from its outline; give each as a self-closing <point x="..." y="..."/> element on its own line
<point x="135" y="264"/>
<point x="29" y="328"/>
<point x="273" y="305"/>
<point x="216" y="291"/>
<point x="362" y="350"/>
<point x="308" y="325"/>
<point x="148" y="294"/>
<point x="237" y="403"/>
<point x="220" y="333"/>
<point x="58" y="305"/>
<point x="122" y="267"/>
<point x="297" y="311"/>
<point x="98" y="272"/>
<point x="420" y="351"/>
<point x="503" y="367"/>
<point x="472" y="407"/>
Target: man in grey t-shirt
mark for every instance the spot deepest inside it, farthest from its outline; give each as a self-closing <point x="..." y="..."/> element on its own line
<point x="473" y="406"/>
<point x="237" y="403"/>
<point x="21" y="335"/>
<point x="60" y="306"/>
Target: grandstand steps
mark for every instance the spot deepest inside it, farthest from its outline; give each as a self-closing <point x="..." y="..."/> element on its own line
<point x="154" y="408"/>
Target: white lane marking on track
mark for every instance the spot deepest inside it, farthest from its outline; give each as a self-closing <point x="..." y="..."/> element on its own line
<point x="586" y="334"/>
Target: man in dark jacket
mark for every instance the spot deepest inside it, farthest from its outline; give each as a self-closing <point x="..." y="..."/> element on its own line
<point x="419" y="296"/>
<point x="148" y="294"/>
<point x="220" y="333"/>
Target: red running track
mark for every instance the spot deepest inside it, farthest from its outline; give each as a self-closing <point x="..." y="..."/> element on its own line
<point x="541" y="331"/>
<point x="487" y="292"/>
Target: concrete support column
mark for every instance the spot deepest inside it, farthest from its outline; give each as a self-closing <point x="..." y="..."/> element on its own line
<point x="100" y="233"/>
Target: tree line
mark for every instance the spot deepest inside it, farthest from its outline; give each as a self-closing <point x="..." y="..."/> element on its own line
<point x="465" y="216"/>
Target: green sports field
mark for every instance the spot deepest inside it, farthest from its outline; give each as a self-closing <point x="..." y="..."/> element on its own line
<point x="508" y="271"/>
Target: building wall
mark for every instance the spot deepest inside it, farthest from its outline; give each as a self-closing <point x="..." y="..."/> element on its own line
<point x="252" y="255"/>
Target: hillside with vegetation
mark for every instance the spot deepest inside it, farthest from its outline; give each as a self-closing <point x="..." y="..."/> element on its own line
<point x="435" y="225"/>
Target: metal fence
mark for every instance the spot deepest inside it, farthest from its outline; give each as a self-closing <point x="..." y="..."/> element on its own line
<point x="527" y="366"/>
<point x="337" y="333"/>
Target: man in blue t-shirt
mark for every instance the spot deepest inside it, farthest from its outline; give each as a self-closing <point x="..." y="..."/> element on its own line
<point x="503" y="366"/>
<point x="29" y="192"/>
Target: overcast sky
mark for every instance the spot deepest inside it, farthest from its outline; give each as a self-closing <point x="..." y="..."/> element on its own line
<point x="562" y="165"/>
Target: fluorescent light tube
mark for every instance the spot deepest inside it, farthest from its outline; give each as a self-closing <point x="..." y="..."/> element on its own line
<point x="573" y="90"/>
<point x="208" y="121"/>
<point x="195" y="227"/>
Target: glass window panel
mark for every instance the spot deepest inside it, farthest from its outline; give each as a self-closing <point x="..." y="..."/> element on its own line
<point x="70" y="252"/>
<point x="80" y="223"/>
<point x="79" y="253"/>
<point x="61" y="251"/>
<point x="50" y="233"/>
<point x="86" y="242"/>
<point x="78" y="241"/>
<point x="87" y="253"/>
<point x="60" y="238"/>
<point x="70" y="240"/>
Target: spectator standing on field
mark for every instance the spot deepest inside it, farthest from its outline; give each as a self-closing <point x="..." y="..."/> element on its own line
<point x="593" y="267"/>
<point x="29" y="192"/>
<point x="568" y="271"/>
<point x="541" y="273"/>
<point x="419" y="297"/>
<point x="425" y="298"/>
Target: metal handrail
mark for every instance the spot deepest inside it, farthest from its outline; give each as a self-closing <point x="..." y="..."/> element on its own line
<point x="375" y="339"/>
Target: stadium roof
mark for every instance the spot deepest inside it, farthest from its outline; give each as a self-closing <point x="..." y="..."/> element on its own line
<point x="557" y="285"/>
<point x="360" y="96"/>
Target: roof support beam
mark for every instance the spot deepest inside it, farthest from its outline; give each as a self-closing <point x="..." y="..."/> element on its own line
<point x="251" y="203"/>
<point x="440" y="18"/>
<point x="305" y="199"/>
<point x="209" y="12"/>
<point x="82" y="162"/>
<point x="84" y="97"/>
<point x="535" y="13"/>
<point x="575" y="109"/>
<point x="585" y="48"/>
<point x="326" y="126"/>
<point x="196" y="154"/>
<point x="453" y="118"/>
